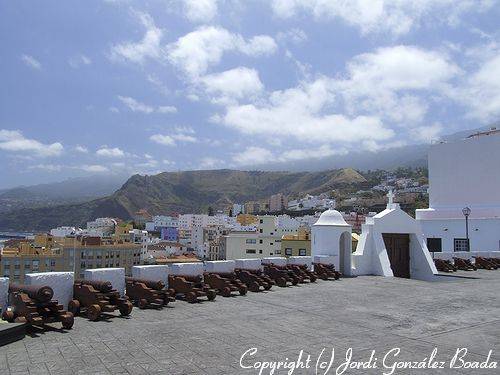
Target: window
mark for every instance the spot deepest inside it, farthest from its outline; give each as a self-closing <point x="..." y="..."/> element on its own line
<point x="260" y="230"/>
<point x="278" y="251"/>
<point x="260" y="241"/>
<point x="250" y="240"/>
<point x="27" y="264"/>
<point x="434" y="244"/>
<point x="261" y="221"/>
<point x="302" y="252"/>
<point x="288" y="251"/>
<point x="260" y="251"/>
<point x="461" y="244"/>
<point x="251" y="251"/>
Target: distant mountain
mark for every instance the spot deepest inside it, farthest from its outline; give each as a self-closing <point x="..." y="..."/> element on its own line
<point x="180" y="192"/>
<point x="73" y="190"/>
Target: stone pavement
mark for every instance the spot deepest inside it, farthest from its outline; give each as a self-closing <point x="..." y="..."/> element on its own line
<point x="363" y="313"/>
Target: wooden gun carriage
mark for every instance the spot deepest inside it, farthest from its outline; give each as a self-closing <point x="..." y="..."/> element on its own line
<point x="94" y="297"/>
<point x="225" y="283"/>
<point x="33" y="304"/>
<point x="190" y="288"/>
<point x="148" y="293"/>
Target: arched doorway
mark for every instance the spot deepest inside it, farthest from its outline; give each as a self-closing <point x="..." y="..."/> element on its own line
<point x="345" y="246"/>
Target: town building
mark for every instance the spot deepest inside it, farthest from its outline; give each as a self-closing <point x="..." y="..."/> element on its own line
<point x="101" y="227"/>
<point x="464" y="195"/>
<point x="277" y="202"/>
<point x="296" y="244"/>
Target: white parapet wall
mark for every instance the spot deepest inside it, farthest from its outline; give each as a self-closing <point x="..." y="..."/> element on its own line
<point x="220" y="266"/>
<point x="60" y="282"/>
<point x="494" y="254"/>
<point x="4" y="292"/>
<point x="114" y="275"/>
<point x="277" y="261"/>
<point x="153" y="272"/>
<point x="248" y="264"/>
<point x="188" y="269"/>
<point x="325" y="259"/>
<point x="300" y="260"/>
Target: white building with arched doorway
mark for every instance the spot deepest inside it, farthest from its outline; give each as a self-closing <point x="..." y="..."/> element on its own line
<point x="331" y="235"/>
<point x="392" y="244"/>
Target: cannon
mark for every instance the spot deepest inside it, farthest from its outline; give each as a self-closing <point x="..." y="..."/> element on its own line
<point x="301" y="267"/>
<point x="95" y="297"/>
<point x="485" y="263"/>
<point x="190" y="288"/>
<point x="33" y="304"/>
<point x="225" y="283"/>
<point x="254" y="279"/>
<point x="326" y="271"/>
<point x="464" y="264"/>
<point x="280" y="275"/>
<point x="443" y="265"/>
<point x="148" y="293"/>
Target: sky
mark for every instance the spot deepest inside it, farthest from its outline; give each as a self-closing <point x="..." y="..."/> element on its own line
<point x="123" y="87"/>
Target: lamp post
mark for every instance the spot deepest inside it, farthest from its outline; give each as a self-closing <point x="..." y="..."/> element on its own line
<point x="466" y="212"/>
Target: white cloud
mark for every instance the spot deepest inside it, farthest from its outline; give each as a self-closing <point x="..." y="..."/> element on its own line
<point x="136" y="106"/>
<point x="93" y="168"/>
<point x="166" y="109"/>
<point x="82" y="149"/>
<point x="148" y="48"/>
<point x="161" y="139"/>
<point x="114" y="152"/>
<point x="78" y="61"/>
<point x="427" y="133"/>
<point x="481" y="91"/>
<point x="196" y="51"/>
<point x="311" y="153"/>
<point x="13" y="140"/>
<point x="235" y="83"/>
<point x="31" y="62"/>
<point x="47" y="167"/>
<point x="298" y="113"/>
<point x="210" y="163"/>
<point x="395" y="16"/>
<point x="181" y="134"/>
<point x="200" y="10"/>
<point x="253" y="156"/>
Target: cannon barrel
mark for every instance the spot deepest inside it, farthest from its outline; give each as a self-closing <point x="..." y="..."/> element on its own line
<point x="150" y="283"/>
<point x="39" y="293"/>
<point x="100" y="285"/>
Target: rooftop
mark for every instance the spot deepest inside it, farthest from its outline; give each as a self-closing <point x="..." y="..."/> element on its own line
<point x="364" y="313"/>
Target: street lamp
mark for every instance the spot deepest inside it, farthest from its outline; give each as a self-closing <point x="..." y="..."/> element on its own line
<point x="466" y="211"/>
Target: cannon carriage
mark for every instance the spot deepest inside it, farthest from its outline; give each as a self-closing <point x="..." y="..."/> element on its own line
<point x="93" y="298"/>
<point x="301" y="267"/>
<point x="191" y="288"/>
<point x="276" y="269"/>
<point x="485" y="263"/>
<point x="33" y="304"/>
<point x="464" y="264"/>
<point x="444" y="265"/>
<point x="148" y="293"/>
<point x="220" y="276"/>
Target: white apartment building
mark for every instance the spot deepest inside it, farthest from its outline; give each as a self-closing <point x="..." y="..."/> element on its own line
<point x="463" y="177"/>
<point x="160" y="221"/>
<point x="311" y="202"/>
<point x="65" y="231"/>
<point x="264" y="242"/>
<point x="101" y="227"/>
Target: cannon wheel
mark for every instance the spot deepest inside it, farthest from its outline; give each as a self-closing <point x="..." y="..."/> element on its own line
<point x="74" y="307"/>
<point x="8" y="316"/>
<point x="142" y="303"/>
<point x="267" y="286"/>
<point x="211" y="294"/>
<point x="255" y="287"/>
<point x="67" y="320"/>
<point x="226" y="292"/>
<point x="126" y="308"/>
<point x="281" y="282"/>
<point x="313" y="278"/>
<point x="243" y="290"/>
<point x="295" y="280"/>
<point x="191" y="297"/>
<point x="93" y="312"/>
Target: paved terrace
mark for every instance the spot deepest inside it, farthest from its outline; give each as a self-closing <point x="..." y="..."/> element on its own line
<point x="363" y="313"/>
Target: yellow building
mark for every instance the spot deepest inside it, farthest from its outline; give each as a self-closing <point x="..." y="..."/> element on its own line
<point x="66" y="254"/>
<point x="247" y="219"/>
<point x="122" y="232"/>
<point x="296" y="244"/>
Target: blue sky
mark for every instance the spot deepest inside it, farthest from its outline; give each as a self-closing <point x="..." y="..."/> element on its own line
<point x="99" y="87"/>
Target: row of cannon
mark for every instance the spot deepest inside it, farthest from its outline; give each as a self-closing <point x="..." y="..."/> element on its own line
<point x="191" y="282"/>
<point x="463" y="264"/>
